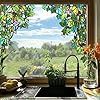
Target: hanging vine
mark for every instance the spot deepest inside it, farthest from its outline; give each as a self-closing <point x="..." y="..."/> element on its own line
<point x="12" y="17"/>
<point x="73" y="19"/>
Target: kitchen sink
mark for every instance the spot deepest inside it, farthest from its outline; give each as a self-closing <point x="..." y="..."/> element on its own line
<point x="56" y="92"/>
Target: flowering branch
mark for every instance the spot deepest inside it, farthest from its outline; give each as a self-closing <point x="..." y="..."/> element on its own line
<point x="91" y="54"/>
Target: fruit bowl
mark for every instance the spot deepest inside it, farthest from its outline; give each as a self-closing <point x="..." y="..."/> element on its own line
<point x="5" y="89"/>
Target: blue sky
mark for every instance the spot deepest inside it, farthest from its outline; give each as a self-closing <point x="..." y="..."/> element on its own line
<point x="43" y="27"/>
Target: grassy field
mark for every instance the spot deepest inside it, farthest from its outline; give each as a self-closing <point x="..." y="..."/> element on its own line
<point x="58" y="62"/>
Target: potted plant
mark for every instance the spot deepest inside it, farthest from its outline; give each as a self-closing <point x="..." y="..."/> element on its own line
<point x="56" y="77"/>
<point x="22" y="71"/>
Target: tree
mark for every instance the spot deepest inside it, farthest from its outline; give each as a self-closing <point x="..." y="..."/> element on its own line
<point x="73" y="19"/>
<point x="23" y="52"/>
<point x="12" y="50"/>
<point x="13" y="46"/>
<point x="46" y="46"/>
<point x="12" y="17"/>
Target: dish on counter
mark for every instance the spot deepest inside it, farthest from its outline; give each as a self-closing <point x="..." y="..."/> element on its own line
<point x="9" y="86"/>
<point x="93" y="86"/>
<point x="90" y="83"/>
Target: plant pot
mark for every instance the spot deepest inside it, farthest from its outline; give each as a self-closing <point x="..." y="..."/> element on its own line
<point x="2" y="78"/>
<point x="57" y="82"/>
<point x="24" y="82"/>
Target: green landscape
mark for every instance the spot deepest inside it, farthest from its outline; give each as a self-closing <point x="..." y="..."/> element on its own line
<point x="36" y="60"/>
<point x="11" y="69"/>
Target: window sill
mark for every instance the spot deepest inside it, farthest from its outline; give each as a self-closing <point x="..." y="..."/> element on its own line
<point x="36" y="80"/>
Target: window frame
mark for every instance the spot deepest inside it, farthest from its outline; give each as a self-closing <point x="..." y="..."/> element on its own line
<point x="90" y="35"/>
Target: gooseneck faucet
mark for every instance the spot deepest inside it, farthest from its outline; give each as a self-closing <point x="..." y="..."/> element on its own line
<point x="73" y="70"/>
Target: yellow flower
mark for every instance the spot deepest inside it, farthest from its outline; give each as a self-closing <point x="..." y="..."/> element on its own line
<point x="75" y="10"/>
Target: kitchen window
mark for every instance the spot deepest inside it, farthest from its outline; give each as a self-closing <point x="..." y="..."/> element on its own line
<point x="90" y="23"/>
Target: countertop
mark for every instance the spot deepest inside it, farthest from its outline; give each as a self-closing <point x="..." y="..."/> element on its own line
<point x="29" y="92"/>
<point x="90" y="94"/>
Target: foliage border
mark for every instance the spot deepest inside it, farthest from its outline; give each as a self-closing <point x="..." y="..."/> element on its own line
<point x="90" y="3"/>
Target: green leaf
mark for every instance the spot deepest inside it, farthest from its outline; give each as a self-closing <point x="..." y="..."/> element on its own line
<point x="84" y="58"/>
<point x="63" y="23"/>
<point x="58" y="16"/>
<point x="53" y="10"/>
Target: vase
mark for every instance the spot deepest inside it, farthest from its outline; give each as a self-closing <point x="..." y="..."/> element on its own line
<point x="98" y="73"/>
<point x="91" y="73"/>
<point x="90" y="80"/>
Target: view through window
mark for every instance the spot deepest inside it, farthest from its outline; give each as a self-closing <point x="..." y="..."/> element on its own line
<point x="43" y="44"/>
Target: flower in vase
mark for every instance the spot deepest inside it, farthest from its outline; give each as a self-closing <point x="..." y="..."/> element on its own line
<point x="91" y="54"/>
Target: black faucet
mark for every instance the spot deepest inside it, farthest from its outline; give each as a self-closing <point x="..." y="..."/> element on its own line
<point x="73" y="70"/>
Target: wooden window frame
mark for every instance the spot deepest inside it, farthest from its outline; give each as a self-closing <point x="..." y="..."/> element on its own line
<point x="91" y="30"/>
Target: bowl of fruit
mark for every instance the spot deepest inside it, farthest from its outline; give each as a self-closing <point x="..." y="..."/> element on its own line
<point x="9" y="86"/>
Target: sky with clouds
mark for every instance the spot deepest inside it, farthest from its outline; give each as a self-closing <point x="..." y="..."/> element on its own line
<point x="43" y="27"/>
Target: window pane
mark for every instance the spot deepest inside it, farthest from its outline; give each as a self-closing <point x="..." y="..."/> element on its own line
<point x="44" y="43"/>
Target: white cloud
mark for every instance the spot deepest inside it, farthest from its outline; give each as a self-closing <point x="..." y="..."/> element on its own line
<point x="41" y="14"/>
<point x="38" y="24"/>
<point x="54" y="27"/>
<point x="42" y="31"/>
<point x="36" y="43"/>
<point x="47" y="31"/>
<point x="25" y="33"/>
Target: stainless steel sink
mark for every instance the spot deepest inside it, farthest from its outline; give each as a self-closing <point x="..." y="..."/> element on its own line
<point x="56" y="92"/>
